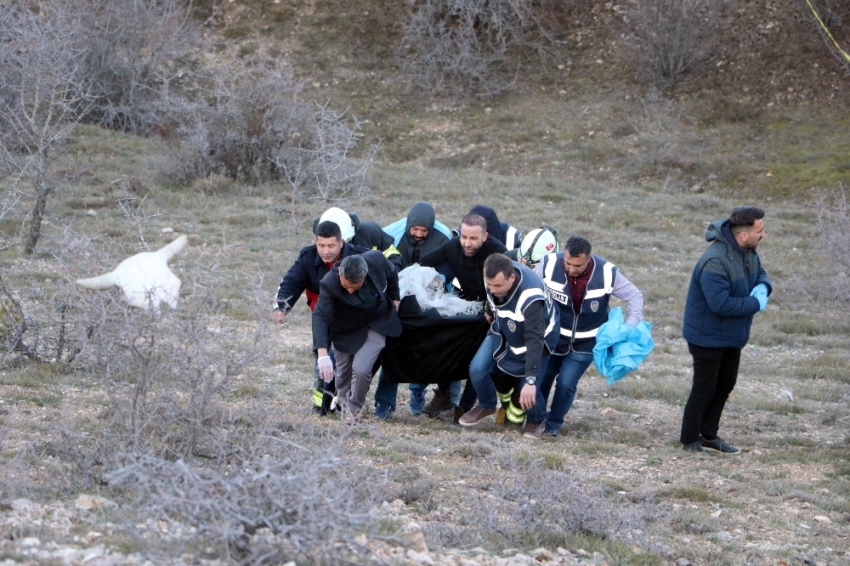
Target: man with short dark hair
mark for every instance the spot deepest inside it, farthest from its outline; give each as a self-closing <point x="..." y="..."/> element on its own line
<point x="525" y="328"/>
<point x="356" y="312"/>
<point x="728" y="286"/>
<point x="312" y="264"/>
<point x="465" y="256"/>
<point x="582" y="285"/>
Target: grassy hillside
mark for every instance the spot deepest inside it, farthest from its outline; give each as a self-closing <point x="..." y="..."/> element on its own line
<point x="189" y="439"/>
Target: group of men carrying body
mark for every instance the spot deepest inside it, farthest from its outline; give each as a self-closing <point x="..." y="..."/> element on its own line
<point x="544" y="307"/>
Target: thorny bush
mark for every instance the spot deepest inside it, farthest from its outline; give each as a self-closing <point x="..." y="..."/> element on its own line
<point x="673" y="37"/>
<point x="473" y="47"/>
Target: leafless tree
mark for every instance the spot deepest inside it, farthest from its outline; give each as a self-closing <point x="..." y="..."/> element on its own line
<point x="135" y="55"/>
<point x="673" y="36"/>
<point x="250" y="124"/>
<point x="323" y="168"/>
<point x="42" y="97"/>
<point x="464" y="47"/>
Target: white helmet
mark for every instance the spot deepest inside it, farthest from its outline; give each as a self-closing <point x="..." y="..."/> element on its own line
<point x="537" y="244"/>
<point x="341" y="218"/>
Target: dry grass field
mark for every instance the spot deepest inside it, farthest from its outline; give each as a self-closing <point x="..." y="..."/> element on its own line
<point x="188" y="438"/>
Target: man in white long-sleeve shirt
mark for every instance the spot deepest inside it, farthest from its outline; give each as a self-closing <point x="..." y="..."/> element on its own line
<point x="581" y="284"/>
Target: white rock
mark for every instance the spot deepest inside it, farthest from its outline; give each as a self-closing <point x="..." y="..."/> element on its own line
<point x="31" y="541"/>
<point x="91" y="212"/>
<point x="167" y="230"/>
<point x="419" y="557"/>
<point x="823" y="519"/>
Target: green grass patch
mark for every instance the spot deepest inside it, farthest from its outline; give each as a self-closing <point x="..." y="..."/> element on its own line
<point x="824" y="366"/>
<point x="689" y="492"/>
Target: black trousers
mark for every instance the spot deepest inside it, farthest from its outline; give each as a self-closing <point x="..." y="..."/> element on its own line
<point x="715" y="375"/>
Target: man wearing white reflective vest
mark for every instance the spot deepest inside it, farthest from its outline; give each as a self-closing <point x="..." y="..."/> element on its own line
<point x="525" y="327"/>
<point x="581" y="285"/>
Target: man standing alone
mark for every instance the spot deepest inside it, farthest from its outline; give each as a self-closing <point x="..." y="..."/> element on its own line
<point x="728" y="286"/>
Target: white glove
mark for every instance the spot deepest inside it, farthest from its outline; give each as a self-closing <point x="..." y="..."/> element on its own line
<point x="326" y="368"/>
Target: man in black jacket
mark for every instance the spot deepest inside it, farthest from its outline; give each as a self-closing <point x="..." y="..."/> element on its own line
<point x="465" y="255"/>
<point x="420" y="237"/>
<point x="365" y="234"/>
<point x="356" y="312"/>
<point x="313" y="263"/>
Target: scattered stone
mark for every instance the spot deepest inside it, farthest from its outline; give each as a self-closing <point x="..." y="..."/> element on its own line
<point x="683" y="562"/>
<point x="31" y="541"/>
<point x="609" y="412"/>
<point x="92" y="502"/>
<point x="91" y="212"/>
<point x="414" y="538"/>
<point x="167" y="230"/>
<point x="419" y="557"/>
<point x="823" y="519"/>
<point x="542" y="555"/>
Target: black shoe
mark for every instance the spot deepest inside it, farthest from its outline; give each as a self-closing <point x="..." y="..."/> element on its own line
<point x="694" y="447"/>
<point x="719" y="445"/>
<point x="439" y="403"/>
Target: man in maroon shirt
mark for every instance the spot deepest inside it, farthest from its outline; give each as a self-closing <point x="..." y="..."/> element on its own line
<point x="581" y="284"/>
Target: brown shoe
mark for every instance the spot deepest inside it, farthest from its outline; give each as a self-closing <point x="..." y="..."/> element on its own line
<point x="475" y="416"/>
<point x="500" y="416"/>
<point x="534" y="431"/>
<point x="442" y="401"/>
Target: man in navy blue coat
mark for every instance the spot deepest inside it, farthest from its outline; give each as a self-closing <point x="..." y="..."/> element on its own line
<point x="728" y="286"/>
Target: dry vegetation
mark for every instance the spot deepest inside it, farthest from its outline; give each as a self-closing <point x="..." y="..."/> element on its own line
<point x="188" y="438"/>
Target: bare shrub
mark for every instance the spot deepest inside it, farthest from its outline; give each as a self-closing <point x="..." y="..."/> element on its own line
<point x="135" y="54"/>
<point x="463" y="47"/>
<point x="536" y="506"/>
<point x="274" y="499"/>
<point x="165" y="375"/>
<point x="834" y="223"/>
<point x="323" y="168"/>
<point x="655" y="119"/>
<point x="43" y="94"/>
<point x="250" y="125"/>
<point x="673" y="36"/>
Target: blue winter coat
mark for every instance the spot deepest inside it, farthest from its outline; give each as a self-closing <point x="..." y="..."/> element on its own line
<point x="719" y="309"/>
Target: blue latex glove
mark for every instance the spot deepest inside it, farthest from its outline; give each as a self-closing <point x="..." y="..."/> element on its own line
<point x="760" y="293"/>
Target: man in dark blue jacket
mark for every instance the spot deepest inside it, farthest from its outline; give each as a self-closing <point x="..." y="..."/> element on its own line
<point x="728" y="286"/>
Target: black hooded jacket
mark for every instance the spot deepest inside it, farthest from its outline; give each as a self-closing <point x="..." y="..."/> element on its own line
<point x="421" y="214"/>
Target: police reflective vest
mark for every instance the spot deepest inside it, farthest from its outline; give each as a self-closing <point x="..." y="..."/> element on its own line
<point x="578" y="332"/>
<point x="509" y="321"/>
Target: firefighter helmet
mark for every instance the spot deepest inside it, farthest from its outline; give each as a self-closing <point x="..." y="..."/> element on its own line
<point x="341" y="219"/>
<point x="537" y="244"/>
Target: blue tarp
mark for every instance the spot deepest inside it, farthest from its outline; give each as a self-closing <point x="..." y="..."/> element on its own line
<point x="396" y="229"/>
<point x="619" y="347"/>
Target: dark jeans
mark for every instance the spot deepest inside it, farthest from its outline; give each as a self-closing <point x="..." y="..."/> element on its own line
<point x="715" y="374"/>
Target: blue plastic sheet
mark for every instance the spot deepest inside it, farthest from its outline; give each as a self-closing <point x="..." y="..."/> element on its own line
<point x="396" y="229"/>
<point x="619" y="347"/>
